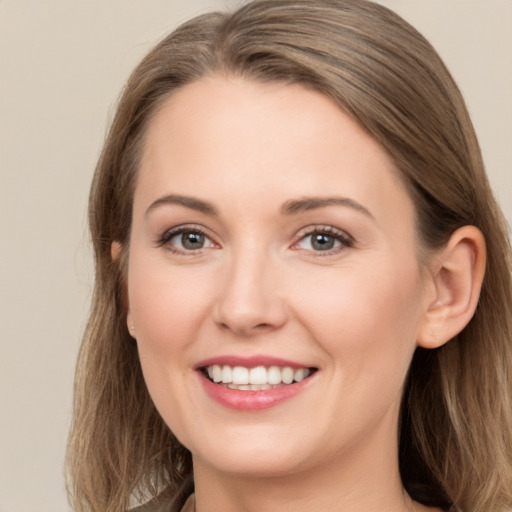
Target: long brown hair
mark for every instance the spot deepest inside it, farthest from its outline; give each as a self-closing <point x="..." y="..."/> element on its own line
<point x="456" y="421"/>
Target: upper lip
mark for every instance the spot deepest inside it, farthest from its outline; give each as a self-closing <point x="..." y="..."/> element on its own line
<point x="250" y="362"/>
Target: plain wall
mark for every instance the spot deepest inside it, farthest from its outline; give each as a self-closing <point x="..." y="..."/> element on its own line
<point x="62" y="66"/>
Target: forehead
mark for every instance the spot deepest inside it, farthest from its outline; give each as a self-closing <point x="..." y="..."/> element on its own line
<point x="240" y="139"/>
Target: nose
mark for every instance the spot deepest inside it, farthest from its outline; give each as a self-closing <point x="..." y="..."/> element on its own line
<point x="249" y="301"/>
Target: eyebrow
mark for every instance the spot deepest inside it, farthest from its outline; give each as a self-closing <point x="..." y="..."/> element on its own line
<point x="293" y="207"/>
<point x="188" y="201"/>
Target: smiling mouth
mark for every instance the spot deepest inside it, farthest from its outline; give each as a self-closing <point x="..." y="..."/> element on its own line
<point x="258" y="378"/>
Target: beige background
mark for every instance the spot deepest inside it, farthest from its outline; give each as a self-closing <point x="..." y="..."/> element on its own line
<point x="62" y="65"/>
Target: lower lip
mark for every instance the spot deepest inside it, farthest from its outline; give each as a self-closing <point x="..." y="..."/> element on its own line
<point x="252" y="400"/>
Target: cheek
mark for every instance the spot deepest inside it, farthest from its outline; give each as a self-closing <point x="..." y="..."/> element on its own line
<point x="166" y="307"/>
<point x="366" y="316"/>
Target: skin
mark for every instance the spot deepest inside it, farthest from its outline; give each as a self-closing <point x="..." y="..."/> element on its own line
<point x="258" y="287"/>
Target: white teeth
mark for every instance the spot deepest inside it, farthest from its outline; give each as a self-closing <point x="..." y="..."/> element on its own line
<point x="274" y="375"/>
<point x="240" y="375"/>
<point x="259" y="387"/>
<point x="258" y="375"/>
<point x="227" y="374"/>
<point x="299" y="374"/>
<point x="249" y="387"/>
<point x="257" y="378"/>
<point x="217" y="373"/>
<point x="287" y="375"/>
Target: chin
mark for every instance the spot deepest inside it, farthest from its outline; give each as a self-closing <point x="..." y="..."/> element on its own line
<point x="254" y="464"/>
<point x="255" y="454"/>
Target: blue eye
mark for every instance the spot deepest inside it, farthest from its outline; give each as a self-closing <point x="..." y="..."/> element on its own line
<point x="189" y="240"/>
<point x="325" y="239"/>
<point x="185" y="240"/>
<point x="323" y="242"/>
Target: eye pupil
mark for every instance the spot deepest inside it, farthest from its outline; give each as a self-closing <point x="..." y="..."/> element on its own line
<point x="322" y="242"/>
<point x="191" y="240"/>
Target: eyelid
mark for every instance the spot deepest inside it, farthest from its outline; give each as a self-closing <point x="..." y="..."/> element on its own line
<point x="345" y="239"/>
<point x="169" y="234"/>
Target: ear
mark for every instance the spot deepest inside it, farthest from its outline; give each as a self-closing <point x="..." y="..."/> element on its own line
<point x="115" y="253"/>
<point x="115" y="250"/>
<point x="129" y="322"/>
<point x="457" y="275"/>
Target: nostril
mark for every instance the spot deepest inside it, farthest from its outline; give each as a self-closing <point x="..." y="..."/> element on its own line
<point x="249" y="313"/>
<point x="246" y="329"/>
<point x="262" y="326"/>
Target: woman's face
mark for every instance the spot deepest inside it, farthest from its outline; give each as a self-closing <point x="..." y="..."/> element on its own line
<point x="271" y="233"/>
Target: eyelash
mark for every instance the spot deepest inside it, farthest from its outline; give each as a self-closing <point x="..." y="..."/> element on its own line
<point x="180" y="230"/>
<point x="345" y="240"/>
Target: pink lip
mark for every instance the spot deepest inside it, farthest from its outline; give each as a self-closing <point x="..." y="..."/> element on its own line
<point x="251" y="400"/>
<point x="249" y="362"/>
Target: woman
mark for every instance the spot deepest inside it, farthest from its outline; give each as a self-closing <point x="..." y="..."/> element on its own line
<point x="303" y="283"/>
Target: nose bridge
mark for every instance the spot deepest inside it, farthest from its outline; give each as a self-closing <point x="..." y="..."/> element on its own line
<point x="249" y="300"/>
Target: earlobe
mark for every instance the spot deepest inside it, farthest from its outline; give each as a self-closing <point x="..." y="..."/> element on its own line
<point x="115" y="250"/>
<point x="115" y="253"/>
<point x="457" y="278"/>
<point x="130" y="324"/>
